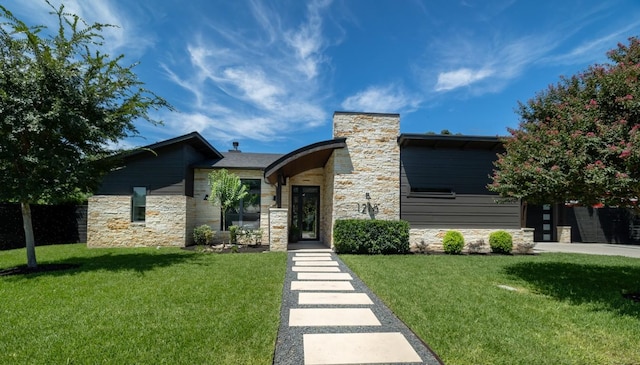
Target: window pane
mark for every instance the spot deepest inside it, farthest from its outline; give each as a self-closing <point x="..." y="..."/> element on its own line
<point x="138" y="204"/>
<point x="247" y="213"/>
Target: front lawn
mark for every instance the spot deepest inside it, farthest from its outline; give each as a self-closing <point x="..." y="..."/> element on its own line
<point x="565" y="309"/>
<point x="141" y="306"/>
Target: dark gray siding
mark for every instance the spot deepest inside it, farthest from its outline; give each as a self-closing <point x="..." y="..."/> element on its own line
<point x="191" y="157"/>
<point x="465" y="173"/>
<point x="167" y="172"/>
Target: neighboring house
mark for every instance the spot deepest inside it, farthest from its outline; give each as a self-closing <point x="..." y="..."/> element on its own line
<point x="367" y="170"/>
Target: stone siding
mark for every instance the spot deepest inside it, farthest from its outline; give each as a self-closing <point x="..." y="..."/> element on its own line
<point x="430" y="240"/>
<point x="564" y="234"/>
<point x="279" y="228"/>
<point x="109" y="222"/>
<point x="207" y="213"/>
<point x="370" y="164"/>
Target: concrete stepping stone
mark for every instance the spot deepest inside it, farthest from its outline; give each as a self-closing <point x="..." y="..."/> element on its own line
<point x="316" y="263"/>
<point x="311" y="258"/>
<point x="358" y="348"/>
<point x="322" y="285"/>
<point x="315" y="268"/>
<point x="313" y="254"/>
<point x="318" y="317"/>
<point x="334" y="299"/>
<point x="324" y="276"/>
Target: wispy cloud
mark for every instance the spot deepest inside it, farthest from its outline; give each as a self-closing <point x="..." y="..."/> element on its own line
<point x="381" y="99"/>
<point x="595" y="49"/>
<point x="266" y="84"/>
<point x="461" y="77"/>
<point x="124" y="36"/>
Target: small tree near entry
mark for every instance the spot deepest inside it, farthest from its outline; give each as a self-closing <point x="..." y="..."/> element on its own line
<point x="226" y="190"/>
<point x="580" y="139"/>
<point x="61" y="102"/>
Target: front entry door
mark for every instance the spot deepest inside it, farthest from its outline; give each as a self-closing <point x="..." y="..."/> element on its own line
<point x="305" y="211"/>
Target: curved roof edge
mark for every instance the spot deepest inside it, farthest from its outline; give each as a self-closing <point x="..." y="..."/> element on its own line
<point x="303" y="159"/>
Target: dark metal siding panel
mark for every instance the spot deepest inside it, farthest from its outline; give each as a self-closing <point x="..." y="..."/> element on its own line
<point x="610" y="225"/>
<point x="162" y="174"/>
<point x="465" y="172"/>
<point x="191" y="156"/>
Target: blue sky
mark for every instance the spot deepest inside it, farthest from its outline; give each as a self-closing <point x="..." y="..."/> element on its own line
<point x="271" y="74"/>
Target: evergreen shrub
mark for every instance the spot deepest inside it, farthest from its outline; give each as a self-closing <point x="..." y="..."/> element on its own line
<point x="453" y="242"/>
<point x="501" y="242"/>
<point x="359" y="236"/>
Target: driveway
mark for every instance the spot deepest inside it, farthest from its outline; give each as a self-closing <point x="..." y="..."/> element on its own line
<point x="610" y="249"/>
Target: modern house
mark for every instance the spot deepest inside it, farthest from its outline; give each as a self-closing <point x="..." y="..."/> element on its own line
<point x="367" y="170"/>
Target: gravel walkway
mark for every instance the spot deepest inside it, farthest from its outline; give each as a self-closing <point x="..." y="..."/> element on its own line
<point x="329" y="316"/>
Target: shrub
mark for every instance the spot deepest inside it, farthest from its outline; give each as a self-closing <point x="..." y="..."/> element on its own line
<point x="361" y="236"/>
<point x="501" y="242"/>
<point x="233" y="234"/>
<point x="453" y="242"/>
<point x="202" y="235"/>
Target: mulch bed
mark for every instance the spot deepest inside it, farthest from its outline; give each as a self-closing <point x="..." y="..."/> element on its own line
<point x="228" y="248"/>
<point x="24" y="270"/>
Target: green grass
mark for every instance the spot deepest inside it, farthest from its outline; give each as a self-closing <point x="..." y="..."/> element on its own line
<point x="141" y="306"/>
<point x="567" y="309"/>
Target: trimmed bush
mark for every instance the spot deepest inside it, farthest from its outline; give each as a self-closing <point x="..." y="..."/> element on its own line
<point x="453" y="242"/>
<point x="501" y="242"/>
<point x="202" y="235"/>
<point x="361" y="236"/>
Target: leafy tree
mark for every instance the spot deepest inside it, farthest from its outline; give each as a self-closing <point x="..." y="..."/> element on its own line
<point x="227" y="190"/>
<point x="61" y="102"/>
<point x="578" y="140"/>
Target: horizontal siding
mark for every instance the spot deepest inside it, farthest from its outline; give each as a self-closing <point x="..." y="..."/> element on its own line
<point x="466" y="173"/>
<point x="465" y="211"/>
<point x="162" y="174"/>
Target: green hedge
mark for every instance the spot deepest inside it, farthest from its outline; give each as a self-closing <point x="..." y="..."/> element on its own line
<point x="371" y="236"/>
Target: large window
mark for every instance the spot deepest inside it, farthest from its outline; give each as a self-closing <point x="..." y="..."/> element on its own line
<point x="247" y="213"/>
<point x="138" y="204"/>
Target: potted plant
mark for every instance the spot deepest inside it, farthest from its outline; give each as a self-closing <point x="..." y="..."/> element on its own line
<point x="294" y="234"/>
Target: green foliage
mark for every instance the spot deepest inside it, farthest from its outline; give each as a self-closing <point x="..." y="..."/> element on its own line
<point x="203" y="235"/>
<point x="453" y="242"/>
<point x="579" y="139"/>
<point x="61" y="102"/>
<point x="233" y="233"/>
<point x="371" y="236"/>
<point x="226" y="190"/>
<point x="501" y="242"/>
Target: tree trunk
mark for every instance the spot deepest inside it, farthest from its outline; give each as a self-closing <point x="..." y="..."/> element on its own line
<point x="28" y="235"/>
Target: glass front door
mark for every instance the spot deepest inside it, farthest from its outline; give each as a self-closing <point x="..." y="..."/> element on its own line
<point x="305" y="211"/>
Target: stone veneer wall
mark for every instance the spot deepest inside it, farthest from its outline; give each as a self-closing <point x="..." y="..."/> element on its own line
<point x="369" y="164"/>
<point x="109" y="222"/>
<point x="278" y="223"/>
<point x="430" y="240"/>
<point x="206" y="213"/>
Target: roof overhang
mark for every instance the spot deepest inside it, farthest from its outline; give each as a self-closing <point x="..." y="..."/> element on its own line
<point x="451" y="141"/>
<point x="303" y="159"/>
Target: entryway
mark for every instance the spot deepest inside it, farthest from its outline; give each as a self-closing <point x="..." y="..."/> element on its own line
<point x="305" y="211"/>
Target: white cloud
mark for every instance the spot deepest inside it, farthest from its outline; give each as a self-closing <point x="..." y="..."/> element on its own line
<point x="254" y="84"/>
<point x="124" y="36"/>
<point x="462" y="77"/>
<point x="381" y="99"/>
